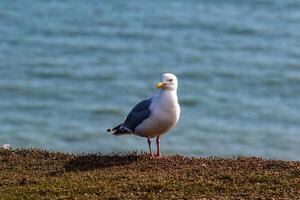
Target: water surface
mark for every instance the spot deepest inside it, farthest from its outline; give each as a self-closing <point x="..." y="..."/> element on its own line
<point x="71" y="69"/>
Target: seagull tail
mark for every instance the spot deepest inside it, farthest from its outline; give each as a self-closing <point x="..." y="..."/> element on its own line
<point x="115" y="128"/>
<point x="118" y="130"/>
<point x="121" y="132"/>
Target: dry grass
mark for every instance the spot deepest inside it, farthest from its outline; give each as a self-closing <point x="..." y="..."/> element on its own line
<point x="37" y="174"/>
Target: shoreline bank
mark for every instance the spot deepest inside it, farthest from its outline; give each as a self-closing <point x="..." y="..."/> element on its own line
<point x="34" y="173"/>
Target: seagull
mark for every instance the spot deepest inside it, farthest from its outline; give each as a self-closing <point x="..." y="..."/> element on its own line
<point x="154" y="116"/>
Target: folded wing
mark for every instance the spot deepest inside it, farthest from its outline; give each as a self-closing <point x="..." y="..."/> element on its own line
<point x="137" y="115"/>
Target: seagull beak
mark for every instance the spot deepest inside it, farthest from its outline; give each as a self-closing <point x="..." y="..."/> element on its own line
<point x="160" y="85"/>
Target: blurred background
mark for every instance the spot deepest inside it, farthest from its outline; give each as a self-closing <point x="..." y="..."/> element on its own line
<point x="71" y="69"/>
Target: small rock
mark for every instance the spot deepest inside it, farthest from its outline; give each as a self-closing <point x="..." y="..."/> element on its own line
<point x="6" y="146"/>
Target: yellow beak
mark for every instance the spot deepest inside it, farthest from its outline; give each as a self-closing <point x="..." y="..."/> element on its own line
<point x="160" y="85"/>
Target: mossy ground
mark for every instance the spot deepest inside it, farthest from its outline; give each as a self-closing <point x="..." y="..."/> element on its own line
<point x="38" y="174"/>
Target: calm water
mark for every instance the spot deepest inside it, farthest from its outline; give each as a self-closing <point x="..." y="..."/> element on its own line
<point x="71" y="69"/>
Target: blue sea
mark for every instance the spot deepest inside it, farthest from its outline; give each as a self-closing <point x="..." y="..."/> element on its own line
<point x="71" y="69"/>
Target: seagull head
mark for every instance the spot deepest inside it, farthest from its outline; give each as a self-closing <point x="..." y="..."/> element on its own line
<point x="168" y="82"/>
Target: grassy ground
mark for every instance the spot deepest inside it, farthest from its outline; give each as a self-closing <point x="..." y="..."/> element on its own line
<point x="37" y="174"/>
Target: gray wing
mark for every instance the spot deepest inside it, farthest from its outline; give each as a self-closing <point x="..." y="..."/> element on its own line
<point x="137" y="115"/>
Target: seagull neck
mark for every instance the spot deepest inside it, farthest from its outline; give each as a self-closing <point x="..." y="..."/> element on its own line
<point x="169" y="94"/>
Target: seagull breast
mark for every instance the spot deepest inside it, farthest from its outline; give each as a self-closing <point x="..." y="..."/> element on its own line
<point x="165" y="112"/>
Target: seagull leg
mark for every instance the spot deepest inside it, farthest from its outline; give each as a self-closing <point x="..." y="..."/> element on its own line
<point x="158" y="146"/>
<point x="149" y="144"/>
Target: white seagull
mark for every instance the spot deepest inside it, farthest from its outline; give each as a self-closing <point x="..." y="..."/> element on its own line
<point x="155" y="116"/>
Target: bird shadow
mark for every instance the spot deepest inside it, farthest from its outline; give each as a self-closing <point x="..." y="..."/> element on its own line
<point x="99" y="161"/>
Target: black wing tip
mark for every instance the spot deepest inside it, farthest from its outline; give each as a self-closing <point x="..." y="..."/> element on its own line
<point x="116" y="131"/>
<point x="115" y="128"/>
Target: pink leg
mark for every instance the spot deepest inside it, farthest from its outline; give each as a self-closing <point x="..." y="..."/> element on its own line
<point x="149" y="144"/>
<point x="158" y="146"/>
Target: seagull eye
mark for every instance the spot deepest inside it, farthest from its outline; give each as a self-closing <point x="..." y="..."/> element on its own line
<point x="170" y="80"/>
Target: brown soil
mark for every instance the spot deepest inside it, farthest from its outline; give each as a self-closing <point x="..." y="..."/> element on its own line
<point x="38" y="174"/>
